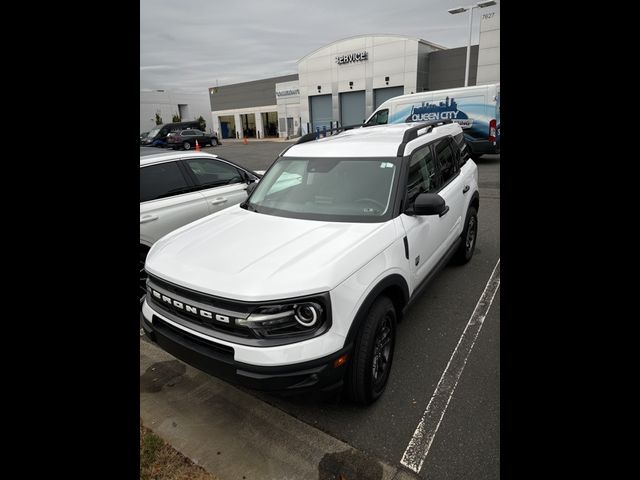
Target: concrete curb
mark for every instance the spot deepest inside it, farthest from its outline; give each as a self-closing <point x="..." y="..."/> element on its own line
<point x="234" y="435"/>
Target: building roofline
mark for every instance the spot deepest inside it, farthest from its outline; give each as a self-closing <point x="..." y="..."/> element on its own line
<point x="419" y="40"/>
<point x="259" y="80"/>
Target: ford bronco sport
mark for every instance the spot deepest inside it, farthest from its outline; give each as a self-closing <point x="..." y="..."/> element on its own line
<point x="301" y="285"/>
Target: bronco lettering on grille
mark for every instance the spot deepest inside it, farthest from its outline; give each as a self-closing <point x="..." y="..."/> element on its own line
<point x="189" y="308"/>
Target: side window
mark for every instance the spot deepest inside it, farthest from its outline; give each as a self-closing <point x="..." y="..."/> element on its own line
<point x="380" y="118"/>
<point x="423" y="176"/>
<point x="456" y="153"/>
<point x="462" y="146"/>
<point x="446" y="160"/>
<point x="160" y="181"/>
<point x="212" y="173"/>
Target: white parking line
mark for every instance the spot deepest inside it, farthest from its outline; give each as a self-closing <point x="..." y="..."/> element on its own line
<point x="418" y="448"/>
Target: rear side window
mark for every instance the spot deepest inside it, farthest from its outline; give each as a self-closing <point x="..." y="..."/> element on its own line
<point x="161" y="181"/>
<point x="212" y="173"/>
<point x="446" y="160"/>
<point x="462" y="147"/>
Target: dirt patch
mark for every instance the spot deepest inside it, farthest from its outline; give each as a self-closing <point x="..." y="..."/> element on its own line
<point x="160" y="461"/>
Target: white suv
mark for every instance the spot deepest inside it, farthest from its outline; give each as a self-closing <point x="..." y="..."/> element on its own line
<point x="301" y="286"/>
<point x="178" y="188"/>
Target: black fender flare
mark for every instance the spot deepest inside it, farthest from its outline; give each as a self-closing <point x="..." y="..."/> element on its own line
<point x="396" y="285"/>
<point x="475" y="200"/>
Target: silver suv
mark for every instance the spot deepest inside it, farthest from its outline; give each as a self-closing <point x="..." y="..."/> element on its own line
<point x="178" y="188"/>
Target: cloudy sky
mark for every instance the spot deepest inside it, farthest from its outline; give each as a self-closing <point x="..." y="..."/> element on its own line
<point x="190" y="45"/>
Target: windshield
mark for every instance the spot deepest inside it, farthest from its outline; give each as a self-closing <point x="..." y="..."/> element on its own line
<point x="153" y="133"/>
<point x="332" y="189"/>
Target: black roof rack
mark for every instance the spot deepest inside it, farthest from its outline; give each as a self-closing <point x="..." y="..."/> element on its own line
<point x="312" y="136"/>
<point x="412" y="133"/>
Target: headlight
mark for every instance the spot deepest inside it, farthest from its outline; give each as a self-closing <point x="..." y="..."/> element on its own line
<point x="287" y="319"/>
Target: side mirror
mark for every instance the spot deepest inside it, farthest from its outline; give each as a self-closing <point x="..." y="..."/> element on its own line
<point x="251" y="187"/>
<point x="429" y="204"/>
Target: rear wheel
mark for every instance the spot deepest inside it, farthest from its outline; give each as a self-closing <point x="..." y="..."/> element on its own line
<point x="186" y="146"/>
<point x="370" y="364"/>
<point x="469" y="236"/>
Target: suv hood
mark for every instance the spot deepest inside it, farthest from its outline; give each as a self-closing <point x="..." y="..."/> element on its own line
<point x="251" y="256"/>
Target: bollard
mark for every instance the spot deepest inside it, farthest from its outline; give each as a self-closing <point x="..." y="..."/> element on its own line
<point x="317" y="133"/>
<point x="324" y="130"/>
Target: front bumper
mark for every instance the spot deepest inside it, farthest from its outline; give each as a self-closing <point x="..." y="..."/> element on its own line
<point x="218" y="359"/>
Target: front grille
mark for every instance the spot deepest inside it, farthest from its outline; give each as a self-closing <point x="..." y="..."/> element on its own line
<point x="192" y="309"/>
<point x="209" y="303"/>
<point x="230" y="328"/>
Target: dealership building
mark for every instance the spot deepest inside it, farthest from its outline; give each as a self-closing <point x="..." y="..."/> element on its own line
<point x="345" y="81"/>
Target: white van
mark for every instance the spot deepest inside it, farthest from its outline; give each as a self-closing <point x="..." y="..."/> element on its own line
<point x="476" y="109"/>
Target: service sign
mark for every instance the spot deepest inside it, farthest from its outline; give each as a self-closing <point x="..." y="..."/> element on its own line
<point x="352" y="57"/>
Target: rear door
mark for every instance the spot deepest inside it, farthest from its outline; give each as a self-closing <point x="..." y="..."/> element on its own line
<point x="167" y="201"/>
<point x="189" y="136"/>
<point x="452" y="187"/>
<point x="220" y="183"/>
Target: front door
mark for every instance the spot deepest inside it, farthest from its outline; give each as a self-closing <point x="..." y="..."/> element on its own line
<point x="423" y="232"/>
<point x="220" y="183"/>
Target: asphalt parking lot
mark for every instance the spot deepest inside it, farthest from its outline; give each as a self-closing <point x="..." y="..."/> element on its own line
<point x="466" y="439"/>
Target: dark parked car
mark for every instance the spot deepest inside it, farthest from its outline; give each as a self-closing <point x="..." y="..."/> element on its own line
<point x="158" y="136"/>
<point x="187" y="139"/>
<point x="143" y="135"/>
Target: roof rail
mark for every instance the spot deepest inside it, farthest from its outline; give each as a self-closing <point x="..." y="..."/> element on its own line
<point x="412" y="133"/>
<point x="314" y="135"/>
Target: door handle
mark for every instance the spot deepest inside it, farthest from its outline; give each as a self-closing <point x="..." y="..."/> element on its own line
<point x="465" y="189"/>
<point x="218" y="201"/>
<point x="444" y="212"/>
<point x="148" y="218"/>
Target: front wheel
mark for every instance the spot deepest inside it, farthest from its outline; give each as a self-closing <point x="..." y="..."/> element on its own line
<point x="370" y="364"/>
<point x="186" y="146"/>
<point x="469" y="236"/>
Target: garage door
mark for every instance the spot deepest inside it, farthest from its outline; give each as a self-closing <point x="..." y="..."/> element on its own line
<point x="381" y="95"/>
<point x="352" y="108"/>
<point x="321" y="111"/>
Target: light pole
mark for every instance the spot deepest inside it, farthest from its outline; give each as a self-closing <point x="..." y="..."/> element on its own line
<point x="453" y="11"/>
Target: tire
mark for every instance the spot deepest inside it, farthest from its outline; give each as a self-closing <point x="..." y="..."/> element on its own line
<point x="370" y="365"/>
<point x="469" y="237"/>
<point x="142" y="282"/>
<point x="186" y="146"/>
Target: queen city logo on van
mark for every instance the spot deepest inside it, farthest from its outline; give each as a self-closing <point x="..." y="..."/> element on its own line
<point x="189" y="308"/>
<point x="447" y="110"/>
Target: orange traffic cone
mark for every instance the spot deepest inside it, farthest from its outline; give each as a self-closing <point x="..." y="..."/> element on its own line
<point x="197" y="146"/>
<point x="245" y="141"/>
